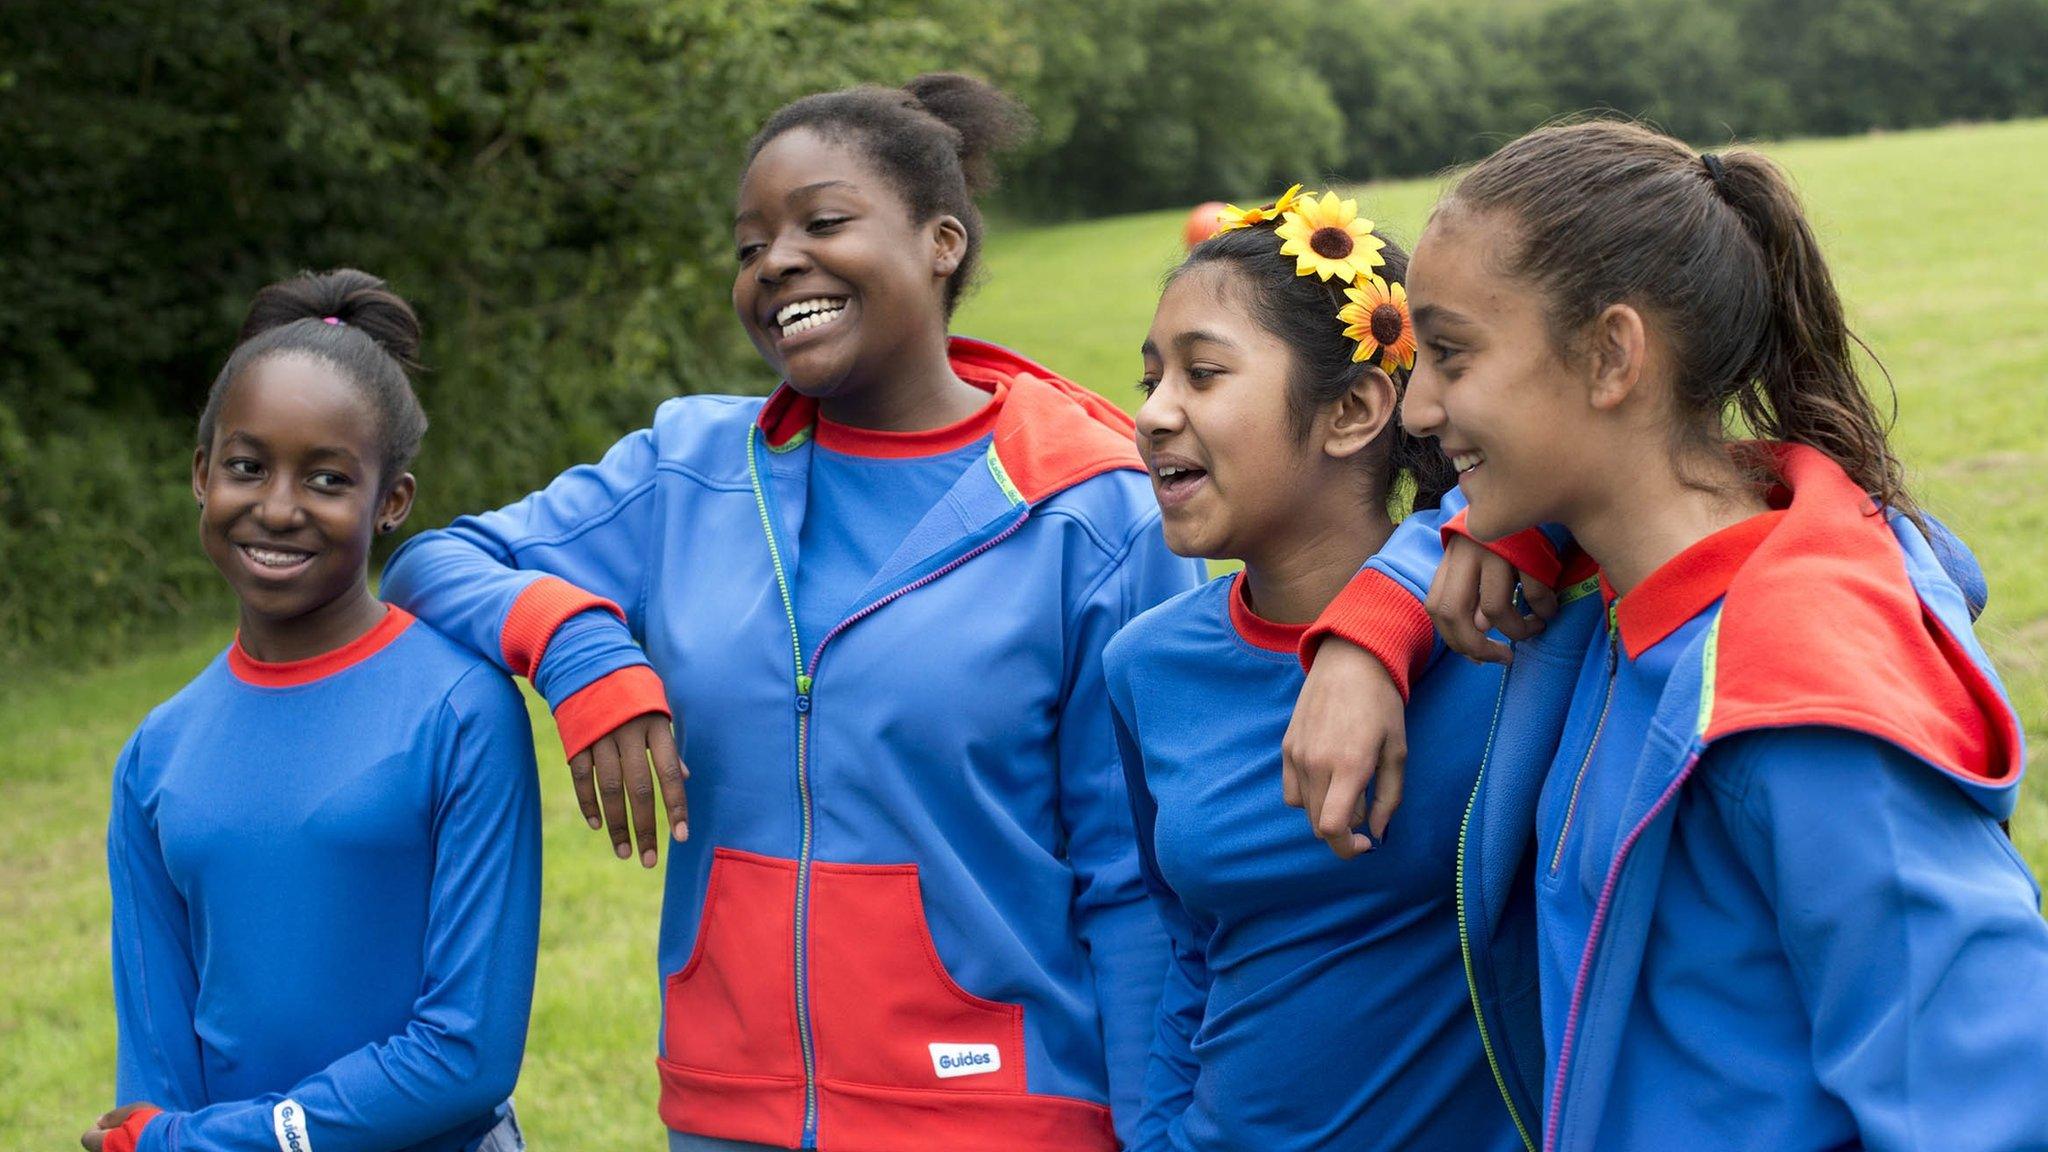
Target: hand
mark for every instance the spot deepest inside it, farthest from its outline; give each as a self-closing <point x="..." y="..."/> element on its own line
<point x="1348" y="737"/>
<point x="1474" y="591"/>
<point x="96" y="1138"/>
<point x="617" y="767"/>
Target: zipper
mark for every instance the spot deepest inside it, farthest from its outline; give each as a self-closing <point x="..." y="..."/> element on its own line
<point x="1569" y="1043"/>
<point x="1599" y="924"/>
<point x="802" y="705"/>
<point x="1571" y="806"/>
<point x="806" y="684"/>
<point x="1464" y="929"/>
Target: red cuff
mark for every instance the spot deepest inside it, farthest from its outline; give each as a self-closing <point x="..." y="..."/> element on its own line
<point x="535" y="616"/>
<point x="606" y="703"/>
<point x="129" y="1134"/>
<point x="1377" y="614"/>
<point x="1529" y="550"/>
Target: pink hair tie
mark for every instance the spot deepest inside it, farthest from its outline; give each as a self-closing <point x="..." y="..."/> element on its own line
<point x="336" y="320"/>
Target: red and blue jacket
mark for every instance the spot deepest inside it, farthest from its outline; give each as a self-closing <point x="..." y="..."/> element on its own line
<point x="1775" y="908"/>
<point x="909" y="914"/>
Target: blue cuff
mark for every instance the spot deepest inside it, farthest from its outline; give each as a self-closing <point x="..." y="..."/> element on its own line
<point x="587" y="647"/>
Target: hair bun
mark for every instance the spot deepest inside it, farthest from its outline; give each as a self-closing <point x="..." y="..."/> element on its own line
<point x="986" y="119"/>
<point x="355" y="298"/>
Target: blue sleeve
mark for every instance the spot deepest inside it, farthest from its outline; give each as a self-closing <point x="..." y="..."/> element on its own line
<point x="459" y="1055"/>
<point x="592" y="528"/>
<point x="1170" y="1065"/>
<point x="1960" y="563"/>
<point x="1416" y="549"/>
<point x="1126" y="946"/>
<point x="156" y="986"/>
<point x="1913" y="931"/>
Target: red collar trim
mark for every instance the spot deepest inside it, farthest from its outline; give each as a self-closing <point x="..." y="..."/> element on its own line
<point x="293" y="673"/>
<point x="1686" y="584"/>
<point x="1050" y="434"/>
<point x="1258" y="631"/>
<point x="877" y="444"/>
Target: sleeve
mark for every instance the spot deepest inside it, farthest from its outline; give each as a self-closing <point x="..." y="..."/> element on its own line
<point x="1126" y="946"/>
<point x="1381" y="609"/>
<point x="1914" y="935"/>
<point x="1168" y="1084"/>
<point x="550" y="588"/>
<point x="458" y="1057"/>
<point x="156" y="986"/>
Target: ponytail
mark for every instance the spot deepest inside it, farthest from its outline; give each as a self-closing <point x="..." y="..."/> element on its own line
<point x="1806" y="388"/>
<point x="1717" y="248"/>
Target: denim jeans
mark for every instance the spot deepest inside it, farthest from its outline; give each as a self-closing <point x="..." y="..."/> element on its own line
<point x="506" y="1137"/>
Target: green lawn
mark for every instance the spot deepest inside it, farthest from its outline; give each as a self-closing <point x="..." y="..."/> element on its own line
<point x="1939" y="240"/>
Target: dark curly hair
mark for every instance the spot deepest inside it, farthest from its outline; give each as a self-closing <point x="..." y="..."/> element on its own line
<point x="935" y="138"/>
<point x="374" y="342"/>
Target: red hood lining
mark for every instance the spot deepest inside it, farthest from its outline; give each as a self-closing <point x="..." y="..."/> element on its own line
<point x="1821" y="625"/>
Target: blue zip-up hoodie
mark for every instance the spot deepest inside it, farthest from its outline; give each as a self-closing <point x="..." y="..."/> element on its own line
<point x="909" y="914"/>
<point x="1824" y="941"/>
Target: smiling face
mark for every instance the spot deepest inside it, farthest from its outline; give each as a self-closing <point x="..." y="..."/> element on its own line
<point x="1234" y="478"/>
<point x="289" y="490"/>
<point x="1509" y="409"/>
<point x="837" y="285"/>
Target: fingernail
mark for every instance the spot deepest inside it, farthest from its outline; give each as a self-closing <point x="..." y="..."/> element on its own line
<point x="682" y="831"/>
<point x="595" y="823"/>
<point x="649" y="858"/>
<point x="622" y="851"/>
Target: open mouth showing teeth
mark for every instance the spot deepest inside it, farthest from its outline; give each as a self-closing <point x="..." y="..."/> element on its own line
<point x="1465" y="462"/>
<point x="275" y="557"/>
<point x="1174" y="476"/>
<point x="804" y="315"/>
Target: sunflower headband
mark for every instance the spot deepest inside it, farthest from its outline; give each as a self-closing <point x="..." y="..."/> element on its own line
<point x="1327" y="238"/>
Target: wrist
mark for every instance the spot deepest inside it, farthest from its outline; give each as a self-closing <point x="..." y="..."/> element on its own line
<point x="606" y="703"/>
<point x="128" y="1135"/>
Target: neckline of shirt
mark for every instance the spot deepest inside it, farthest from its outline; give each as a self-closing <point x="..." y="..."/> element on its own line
<point x="872" y="443"/>
<point x="295" y="673"/>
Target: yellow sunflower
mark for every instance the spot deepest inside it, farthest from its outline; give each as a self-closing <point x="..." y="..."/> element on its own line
<point x="1234" y="217"/>
<point x="1326" y="237"/>
<point x="1378" y="319"/>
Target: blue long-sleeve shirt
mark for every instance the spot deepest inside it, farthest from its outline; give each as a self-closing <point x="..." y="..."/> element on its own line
<point x="326" y="898"/>
<point x="1312" y="1002"/>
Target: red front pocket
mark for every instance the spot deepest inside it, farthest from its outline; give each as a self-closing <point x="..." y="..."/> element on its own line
<point x="732" y="1008"/>
<point x="884" y="1010"/>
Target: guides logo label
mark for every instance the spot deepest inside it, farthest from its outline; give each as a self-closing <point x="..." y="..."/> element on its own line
<point x="950" y="1060"/>
<point x="288" y="1122"/>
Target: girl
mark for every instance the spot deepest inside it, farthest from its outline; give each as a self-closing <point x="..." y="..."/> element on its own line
<point x="907" y="914"/>
<point x="1775" y="906"/>
<point x="1312" y="1003"/>
<point x="325" y="849"/>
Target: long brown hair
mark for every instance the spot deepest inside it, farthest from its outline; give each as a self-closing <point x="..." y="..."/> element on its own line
<point x="1717" y="249"/>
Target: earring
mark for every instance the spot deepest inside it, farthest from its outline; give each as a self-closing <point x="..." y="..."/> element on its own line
<point x="387" y="528"/>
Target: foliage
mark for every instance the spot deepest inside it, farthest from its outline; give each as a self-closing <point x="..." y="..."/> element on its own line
<point x="550" y="184"/>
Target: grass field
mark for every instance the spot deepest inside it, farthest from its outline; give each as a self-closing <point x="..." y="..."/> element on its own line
<point x="1939" y="240"/>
